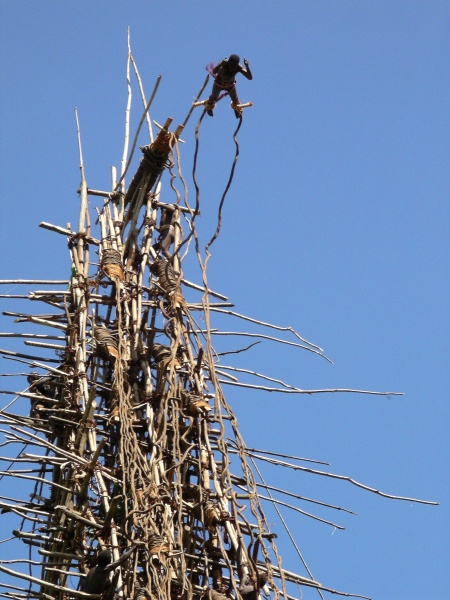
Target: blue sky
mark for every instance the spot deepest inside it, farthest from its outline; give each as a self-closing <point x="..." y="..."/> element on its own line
<point x="335" y="224"/>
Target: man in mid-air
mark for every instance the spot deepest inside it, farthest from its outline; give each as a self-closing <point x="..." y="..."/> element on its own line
<point x="225" y="73"/>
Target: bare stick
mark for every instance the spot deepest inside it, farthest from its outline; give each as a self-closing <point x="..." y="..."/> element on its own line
<point x="199" y="305"/>
<point x="286" y="493"/>
<point x="13" y="374"/>
<point x="83" y="185"/>
<point x="69" y="233"/>
<point x="34" y="364"/>
<point x="38" y="336"/>
<point x="342" y="477"/>
<point x="78" y="517"/>
<point x="300" y="391"/>
<point x="194" y="286"/>
<point x="238" y="351"/>
<point x="35" y="294"/>
<point x="47" y="584"/>
<point x="22" y="511"/>
<point x="33" y="281"/>
<point x="46" y="481"/>
<point x="266" y="377"/>
<point x="44" y="345"/>
<point x="219" y="372"/>
<point x="295" y="579"/>
<point x="319" y="462"/>
<point x="303" y="512"/>
<point x="147" y="107"/>
<point x="18" y="354"/>
<point x="297" y="549"/>
<point x="28" y="395"/>
<point x="56" y="449"/>
<point x="22" y="317"/>
<point x="46" y="322"/>
<point x="273" y="339"/>
<point x="144" y="102"/>
<point x="196" y="99"/>
<point x="127" y="114"/>
<point x="14" y="296"/>
<point x="264" y="324"/>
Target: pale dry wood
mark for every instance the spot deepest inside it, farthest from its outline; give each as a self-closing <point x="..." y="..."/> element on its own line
<point x="143" y="98"/>
<point x="227" y="375"/>
<point x="173" y="207"/>
<point x="17" y="355"/>
<point x="295" y="579"/>
<point x="300" y="391"/>
<point x="23" y="317"/>
<point x="301" y="458"/>
<point x="199" y="288"/>
<point x="14" y="296"/>
<point x="100" y="193"/>
<point x="58" y="347"/>
<point x="270" y="325"/>
<point x="260" y="375"/>
<point x="30" y="395"/>
<point x="200" y="92"/>
<point x="127" y="113"/>
<point x="41" y="458"/>
<point x="46" y="323"/>
<point x="303" y="512"/>
<point x="39" y="441"/>
<point x="144" y="115"/>
<point x="38" y="336"/>
<point x="46" y="584"/>
<point x="48" y="293"/>
<point x="69" y="233"/>
<point x="31" y="478"/>
<point x="77" y="517"/>
<point x="342" y="477"/>
<point x="273" y="339"/>
<point x="33" y="281"/>
<point x="294" y="543"/>
<point x="35" y="365"/>
<point x="83" y="185"/>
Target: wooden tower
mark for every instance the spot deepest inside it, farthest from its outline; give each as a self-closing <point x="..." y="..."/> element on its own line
<point x="127" y="444"/>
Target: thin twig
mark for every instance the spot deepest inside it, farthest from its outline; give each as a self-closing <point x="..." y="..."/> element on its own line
<point x="342" y="477"/>
<point x="196" y="99"/>
<point x="145" y="113"/>
<point x="144" y="102"/>
<point x="300" y="391"/>
<point x="270" y="325"/>
<point x="127" y="114"/>
<point x="304" y="499"/>
<point x="273" y="339"/>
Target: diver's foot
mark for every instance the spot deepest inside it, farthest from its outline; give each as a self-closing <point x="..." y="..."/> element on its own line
<point x="237" y="109"/>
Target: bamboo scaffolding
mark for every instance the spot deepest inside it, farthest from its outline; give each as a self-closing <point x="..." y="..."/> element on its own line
<point x="134" y="429"/>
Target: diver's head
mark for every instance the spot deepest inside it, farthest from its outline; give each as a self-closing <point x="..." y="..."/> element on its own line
<point x="233" y="61"/>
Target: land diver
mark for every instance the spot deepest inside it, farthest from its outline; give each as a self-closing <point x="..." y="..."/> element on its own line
<point x="225" y="81"/>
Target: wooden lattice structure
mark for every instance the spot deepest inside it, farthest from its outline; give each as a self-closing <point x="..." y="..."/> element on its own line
<point x="129" y="436"/>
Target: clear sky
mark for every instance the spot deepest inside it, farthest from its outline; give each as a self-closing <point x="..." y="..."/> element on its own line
<point x="336" y="224"/>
